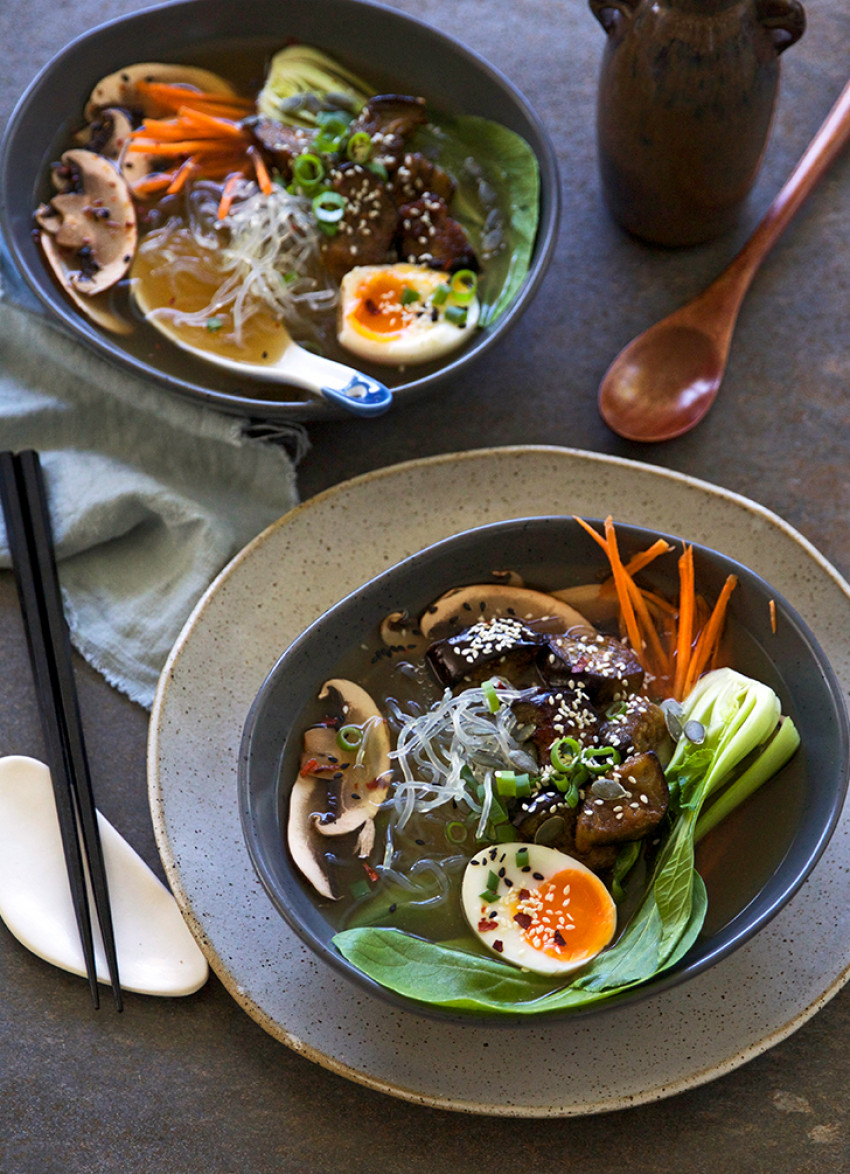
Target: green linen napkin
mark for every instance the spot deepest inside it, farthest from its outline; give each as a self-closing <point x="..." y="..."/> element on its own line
<point x="150" y="495"/>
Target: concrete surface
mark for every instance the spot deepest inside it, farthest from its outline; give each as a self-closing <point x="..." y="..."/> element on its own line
<point x="194" y="1085"/>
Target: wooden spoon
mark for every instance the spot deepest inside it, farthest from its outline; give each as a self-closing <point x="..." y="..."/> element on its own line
<point x="665" y="380"/>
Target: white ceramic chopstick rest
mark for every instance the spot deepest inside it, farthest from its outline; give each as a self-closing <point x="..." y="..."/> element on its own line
<point x="157" y="954"/>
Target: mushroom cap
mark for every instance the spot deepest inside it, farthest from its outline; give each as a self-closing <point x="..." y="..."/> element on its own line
<point x="357" y="779"/>
<point x="94" y="230"/>
<point x="121" y="88"/>
<point x="108" y="133"/>
<point x="462" y="606"/>
<point x="94" y="306"/>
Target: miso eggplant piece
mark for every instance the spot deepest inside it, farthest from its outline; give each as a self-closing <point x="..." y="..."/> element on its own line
<point x="633" y="725"/>
<point x="547" y="818"/>
<point x="636" y="806"/>
<point x="498" y="646"/>
<point x="555" y="714"/>
<point x="607" y="668"/>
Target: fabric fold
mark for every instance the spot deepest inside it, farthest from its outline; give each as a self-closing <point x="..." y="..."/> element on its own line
<point x="150" y="495"/>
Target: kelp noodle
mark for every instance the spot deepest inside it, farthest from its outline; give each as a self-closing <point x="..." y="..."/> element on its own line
<point x="264" y="254"/>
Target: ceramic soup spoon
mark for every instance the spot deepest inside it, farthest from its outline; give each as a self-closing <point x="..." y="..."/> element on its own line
<point x="356" y="392"/>
<point x="664" y="382"/>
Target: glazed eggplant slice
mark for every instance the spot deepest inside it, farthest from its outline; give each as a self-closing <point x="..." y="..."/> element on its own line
<point x="628" y="805"/>
<point x="607" y="668"/>
<point x="501" y="645"/>
<point x="633" y="725"/>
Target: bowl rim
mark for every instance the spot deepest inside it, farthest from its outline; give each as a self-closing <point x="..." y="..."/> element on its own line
<point x="681" y="971"/>
<point x="42" y="295"/>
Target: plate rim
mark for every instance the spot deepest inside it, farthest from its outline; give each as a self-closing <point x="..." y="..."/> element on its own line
<point x="171" y="864"/>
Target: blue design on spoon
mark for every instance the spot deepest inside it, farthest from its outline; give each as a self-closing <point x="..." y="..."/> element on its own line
<point x="362" y="395"/>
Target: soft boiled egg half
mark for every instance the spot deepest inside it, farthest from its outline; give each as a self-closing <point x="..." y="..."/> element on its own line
<point x="404" y="313"/>
<point x="537" y="907"/>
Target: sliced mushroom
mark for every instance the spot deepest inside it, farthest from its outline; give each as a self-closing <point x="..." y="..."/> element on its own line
<point x="89" y="230"/>
<point x="400" y="633"/>
<point x="597" y="601"/>
<point x="463" y="606"/>
<point x="338" y="791"/>
<point x="97" y="307"/>
<point x="107" y="134"/>
<point x="122" y="87"/>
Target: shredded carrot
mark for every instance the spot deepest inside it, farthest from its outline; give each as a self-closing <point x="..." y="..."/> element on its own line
<point x="675" y="642"/>
<point x="772" y="607"/>
<point x="150" y="185"/>
<point x="687" y="615"/>
<point x="705" y="649"/>
<point x="183" y="172"/>
<point x="227" y="195"/>
<point x="200" y="143"/>
<point x="169" y="96"/>
<point x="644" y="557"/>
<point x="260" y="168"/>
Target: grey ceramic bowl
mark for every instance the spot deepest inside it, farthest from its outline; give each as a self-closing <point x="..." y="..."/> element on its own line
<point x="752" y="865"/>
<point x="413" y="58"/>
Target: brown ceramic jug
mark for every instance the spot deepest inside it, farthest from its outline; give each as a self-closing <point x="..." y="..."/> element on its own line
<point x="686" y="97"/>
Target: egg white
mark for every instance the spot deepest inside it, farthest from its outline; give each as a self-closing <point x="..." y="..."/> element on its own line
<point x="425" y="333"/>
<point x="492" y="921"/>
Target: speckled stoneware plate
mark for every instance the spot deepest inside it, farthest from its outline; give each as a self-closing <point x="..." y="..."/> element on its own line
<point x="267" y="596"/>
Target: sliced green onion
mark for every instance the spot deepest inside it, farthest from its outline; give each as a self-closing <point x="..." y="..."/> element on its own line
<point x="489" y="897"/>
<point x="308" y="171"/>
<point x="491" y="696"/>
<point x="214" y="324"/>
<point x="456" y="832"/>
<point x="440" y="294"/>
<point x="349" y="737"/>
<point x="563" y="753"/>
<point x="409" y="295"/>
<point x="504" y="833"/>
<point x="505" y="782"/>
<point x="329" y="207"/>
<point x="522" y="857"/>
<point x="360" y="889"/>
<point x="456" y="315"/>
<point x="571" y="795"/>
<point x="492" y="881"/>
<point x="464" y="285"/>
<point x="599" y="759"/>
<point x="508" y="782"/>
<point x="359" y="147"/>
<point x="617" y="709"/>
<point x="497" y="812"/>
<point x="333" y="126"/>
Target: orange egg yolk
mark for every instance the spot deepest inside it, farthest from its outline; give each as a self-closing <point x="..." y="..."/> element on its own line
<point x="569" y="917"/>
<point x="378" y="308"/>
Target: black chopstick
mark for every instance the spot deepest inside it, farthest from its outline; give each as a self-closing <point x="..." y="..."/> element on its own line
<point x="30" y="540"/>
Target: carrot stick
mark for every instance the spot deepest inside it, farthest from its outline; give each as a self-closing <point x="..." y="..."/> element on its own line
<point x="170" y="95"/>
<point x="227" y="195"/>
<point x="183" y="147"/>
<point x="183" y="172"/>
<point x="684" y="639"/>
<point x="638" y="561"/>
<point x="149" y="185"/>
<point x="262" y="172"/>
<point x="621" y="582"/>
<point x="709" y="637"/>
